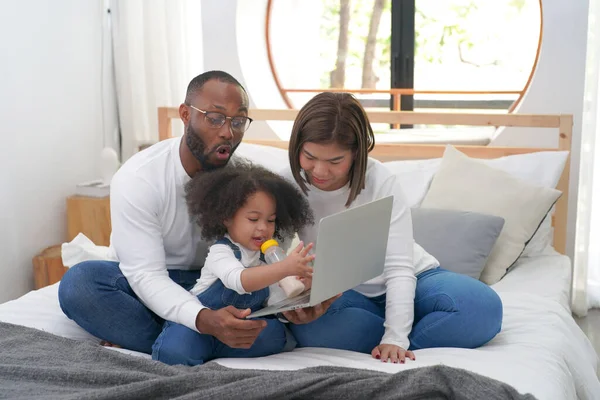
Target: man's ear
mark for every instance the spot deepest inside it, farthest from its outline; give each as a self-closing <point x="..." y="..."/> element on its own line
<point x="227" y="223"/>
<point x="184" y="113"/>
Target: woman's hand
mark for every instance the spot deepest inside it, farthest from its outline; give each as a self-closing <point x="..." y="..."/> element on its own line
<point x="309" y="314"/>
<point x="307" y="282"/>
<point x="392" y="352"/>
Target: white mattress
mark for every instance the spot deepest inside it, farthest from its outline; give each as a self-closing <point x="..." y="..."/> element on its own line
<point x="540" y="350"/>
<point x="548" y="276"/>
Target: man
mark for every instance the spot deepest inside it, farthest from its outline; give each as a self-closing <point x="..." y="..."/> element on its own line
<point x="160" y="251"/>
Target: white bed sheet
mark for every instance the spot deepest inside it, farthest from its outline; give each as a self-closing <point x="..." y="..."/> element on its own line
<point x="547" y="275"/>
<point x="540" y="350"/>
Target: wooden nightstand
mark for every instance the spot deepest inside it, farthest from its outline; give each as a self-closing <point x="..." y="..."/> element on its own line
<point x="48" y="267"/>
<point x="90" y="216"/>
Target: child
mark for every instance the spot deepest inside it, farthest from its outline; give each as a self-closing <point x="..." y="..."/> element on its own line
<point x="240" y="208"/>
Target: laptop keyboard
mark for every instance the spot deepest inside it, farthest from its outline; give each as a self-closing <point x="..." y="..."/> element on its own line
<point x="304" y="298"/>
<point x="301" y="300"/>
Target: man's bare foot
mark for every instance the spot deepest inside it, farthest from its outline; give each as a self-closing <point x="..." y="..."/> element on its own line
<point x="108" y="344"/>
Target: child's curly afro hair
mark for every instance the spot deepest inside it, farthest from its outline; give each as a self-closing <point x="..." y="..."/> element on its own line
<point x="215" y="196"/>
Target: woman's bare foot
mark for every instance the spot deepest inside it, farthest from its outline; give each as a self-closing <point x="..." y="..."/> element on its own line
<point x="108" y="344"/>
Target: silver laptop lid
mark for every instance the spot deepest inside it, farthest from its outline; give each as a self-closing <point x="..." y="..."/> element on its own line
<point x="351" y="248"/>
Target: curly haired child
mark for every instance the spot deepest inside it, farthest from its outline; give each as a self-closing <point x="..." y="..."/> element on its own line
<point x="239" y="208"/>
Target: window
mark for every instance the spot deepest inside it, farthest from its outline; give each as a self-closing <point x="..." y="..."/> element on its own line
<point x="451" y="55"/>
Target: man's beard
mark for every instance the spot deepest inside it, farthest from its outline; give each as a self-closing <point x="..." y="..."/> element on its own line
<point x="198" y="149"/>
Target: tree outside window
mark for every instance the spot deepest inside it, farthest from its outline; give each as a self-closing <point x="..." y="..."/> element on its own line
<point x="459" y="46"/>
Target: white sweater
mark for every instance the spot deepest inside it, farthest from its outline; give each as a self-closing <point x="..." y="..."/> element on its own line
<point x="404" y="258"/>
<point x="152" y="231"/>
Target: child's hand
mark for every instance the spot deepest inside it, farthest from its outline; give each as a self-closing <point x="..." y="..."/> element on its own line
<point x="307" y="282"/>
<point x="297" y="261"/>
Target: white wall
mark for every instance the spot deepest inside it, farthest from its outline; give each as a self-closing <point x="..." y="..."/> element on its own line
<point x="50" y="124"/>
<point x="234" y="30"/>
<point x="232" y="37"/>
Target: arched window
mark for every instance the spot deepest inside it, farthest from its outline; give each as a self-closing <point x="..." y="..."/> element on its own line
<point x="425" y="54"/>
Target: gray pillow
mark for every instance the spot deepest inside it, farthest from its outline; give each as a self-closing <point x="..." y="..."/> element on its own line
<point x="460" y="240"/>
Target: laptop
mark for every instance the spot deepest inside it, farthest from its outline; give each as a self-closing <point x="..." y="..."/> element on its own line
<point x="351" y="248"/>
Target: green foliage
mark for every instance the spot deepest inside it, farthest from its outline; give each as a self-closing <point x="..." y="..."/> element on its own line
<point x="441" y="27"/>
<point x="360" y="15"/>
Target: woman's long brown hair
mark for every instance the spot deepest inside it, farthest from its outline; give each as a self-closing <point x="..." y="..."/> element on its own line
<point x="334" y="118"/>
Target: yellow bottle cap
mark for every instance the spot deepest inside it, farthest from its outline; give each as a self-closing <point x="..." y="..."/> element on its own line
<point x="267" y="244"/>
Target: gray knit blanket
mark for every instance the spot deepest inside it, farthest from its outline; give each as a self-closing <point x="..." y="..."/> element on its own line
<point x="39" y="365"/>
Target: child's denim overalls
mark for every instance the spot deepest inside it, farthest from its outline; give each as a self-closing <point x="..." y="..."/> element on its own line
<point x="218" y="296"/>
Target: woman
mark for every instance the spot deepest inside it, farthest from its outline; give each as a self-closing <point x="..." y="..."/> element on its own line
<point x="415" y="304"/>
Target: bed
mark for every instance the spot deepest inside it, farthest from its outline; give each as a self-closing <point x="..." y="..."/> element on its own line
<point x="541" y="351"/>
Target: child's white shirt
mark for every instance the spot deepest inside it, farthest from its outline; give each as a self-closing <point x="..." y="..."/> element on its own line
<point x="221" y="263"/>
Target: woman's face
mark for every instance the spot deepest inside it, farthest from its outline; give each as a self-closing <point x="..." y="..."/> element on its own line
<point x="327" y="166"/>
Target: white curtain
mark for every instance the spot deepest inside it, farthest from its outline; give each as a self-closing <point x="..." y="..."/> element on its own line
<point x="157" y="48"/>
<point x="586" y="278"/>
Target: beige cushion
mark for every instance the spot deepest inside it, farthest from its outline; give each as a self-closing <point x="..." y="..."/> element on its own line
<point x="468" y="184"/>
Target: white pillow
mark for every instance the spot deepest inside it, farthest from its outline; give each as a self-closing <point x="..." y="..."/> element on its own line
<point x="542" y="168"/>
<point x="468" y="184"/>
<point x="272" y="158"/>
<point x="414" y="177"/>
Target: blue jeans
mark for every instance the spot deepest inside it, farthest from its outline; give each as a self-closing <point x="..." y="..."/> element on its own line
<point x="96" y="295"/>
<point x="451" y="310"/>
<point x="177" y="344"/>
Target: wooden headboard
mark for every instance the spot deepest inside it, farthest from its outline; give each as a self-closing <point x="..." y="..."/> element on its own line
<point x="563" y="124"/>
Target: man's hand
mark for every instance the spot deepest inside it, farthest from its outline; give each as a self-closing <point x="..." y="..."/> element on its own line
<point x="309" y="314"/>
<point x="229" y="326"/>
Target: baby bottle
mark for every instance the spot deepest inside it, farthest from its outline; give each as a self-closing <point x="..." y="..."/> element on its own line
<point x="291" y="285"/>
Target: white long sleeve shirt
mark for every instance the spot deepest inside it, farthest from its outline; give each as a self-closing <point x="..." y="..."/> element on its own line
<point x="404" y="258"/>
<point x="152" y="230"/>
